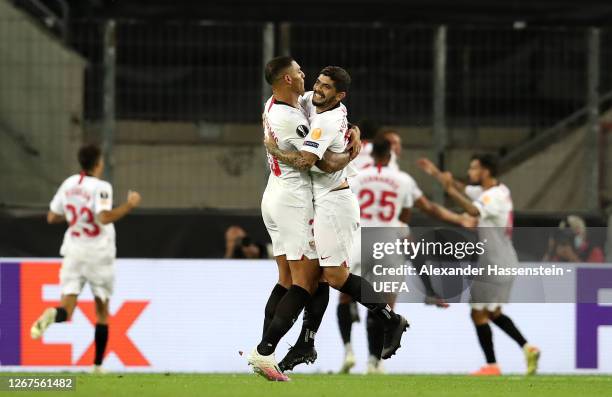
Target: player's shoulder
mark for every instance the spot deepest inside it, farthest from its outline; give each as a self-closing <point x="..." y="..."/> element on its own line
<point x="102" y="184"/>
<point x="68" y="182"/>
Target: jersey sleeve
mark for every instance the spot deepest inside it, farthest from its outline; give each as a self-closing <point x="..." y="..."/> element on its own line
<point x="322" y="133"/>
<point x="104" y="198"/>
<point x="413" y="193"/>
<point x="473" y="192"/>
<point x="297" y="130"/>
<point x="56" y="206"/>
<point x="490" y="204"/>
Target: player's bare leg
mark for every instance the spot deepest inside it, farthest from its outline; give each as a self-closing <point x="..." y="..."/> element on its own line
<point x="395" y="325"/>
<point x="305" y="275"/>
<point x="347" y="314"/>
<point x="505" y="323"/>
<point x="480" y="318"/>
<point x="54" y="315"/>
<point x="279" y="290"/>
<point x="101" y="333"/>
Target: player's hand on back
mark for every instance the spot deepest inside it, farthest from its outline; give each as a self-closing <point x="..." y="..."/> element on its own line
<point x="354" y="143"/>
<point x="133" y="198"/>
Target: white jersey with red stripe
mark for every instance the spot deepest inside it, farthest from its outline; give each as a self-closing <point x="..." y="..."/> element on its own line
<point x="328" y="131"/>
<point x="288" y="125"/>
<point x="382" y="193"/>
<point x="80" y="199"/>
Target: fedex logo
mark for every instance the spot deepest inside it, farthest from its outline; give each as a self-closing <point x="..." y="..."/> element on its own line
<point x="589" y="314"/>
<point x="21" y="302"/>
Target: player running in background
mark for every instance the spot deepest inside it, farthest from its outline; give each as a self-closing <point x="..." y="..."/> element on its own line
<point x="387" y="196"/>
<point x="336" y="214"/>
<point x="287" y="208"/>
<point x="85" y="202"/>
<point x="490" y="201"/>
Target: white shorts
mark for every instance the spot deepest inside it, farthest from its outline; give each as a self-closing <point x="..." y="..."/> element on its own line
<point x="289" y="224"/>
<point x="335" y="224"/>
<point x="488" y="295"/>
<point x="98" y="272"/>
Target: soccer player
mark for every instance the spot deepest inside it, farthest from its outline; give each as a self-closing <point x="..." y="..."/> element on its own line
<point x="336" y="213"/>
<point x="288" y="211"/>
<point x="85" y="202"/>
<point x="490" y="201"/>
<point x="387" y="196"/>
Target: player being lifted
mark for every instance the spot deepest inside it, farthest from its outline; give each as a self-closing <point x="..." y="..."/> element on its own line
<point x="287" y="208"/>
<point x="386" y="197"/>
<point x="85" y="202"/>
<point x="336" y="215"/>
<point x="490" y="201"/>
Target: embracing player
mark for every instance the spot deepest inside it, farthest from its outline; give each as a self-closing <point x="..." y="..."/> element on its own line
<point x="336" y="214"/>
<point x="85" y="202"/>
<point x="491" y="203"/>
<point x="288" y="212"/>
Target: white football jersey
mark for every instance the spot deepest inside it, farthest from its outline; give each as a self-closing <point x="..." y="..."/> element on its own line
<point x="382" y="193"/>
<point x="80" y="199"/>
<point x="328" y="131"/>
<point x="495" y="222"/>
<point x="288" y="126"/>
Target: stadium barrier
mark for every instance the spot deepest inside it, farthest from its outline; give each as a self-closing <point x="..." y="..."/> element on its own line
<point x="171" y="315"/>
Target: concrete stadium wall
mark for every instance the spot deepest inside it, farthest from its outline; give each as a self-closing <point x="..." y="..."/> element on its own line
<point x="40" y="109"/>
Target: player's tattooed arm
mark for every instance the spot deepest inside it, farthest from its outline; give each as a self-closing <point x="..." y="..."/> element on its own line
<point x="332" y="162"/>
<point x="299" y="160"/>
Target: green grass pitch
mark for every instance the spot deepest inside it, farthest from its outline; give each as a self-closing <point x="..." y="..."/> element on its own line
<point x="219" y="385"/>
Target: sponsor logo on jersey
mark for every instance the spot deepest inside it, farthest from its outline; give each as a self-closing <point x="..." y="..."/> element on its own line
<point x="310" y="143"/>
<point x="302" y="131"/>
<point x="316" y="133"/>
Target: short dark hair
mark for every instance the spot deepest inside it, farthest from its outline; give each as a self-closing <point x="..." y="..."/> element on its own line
<point x="368" y="128"/>
<point x="381" y="147"/>
<point x="89" y="155"/>
<point x="275" y="67"/>
<point x="488" y="161"/>
<point x="340" y="77"/>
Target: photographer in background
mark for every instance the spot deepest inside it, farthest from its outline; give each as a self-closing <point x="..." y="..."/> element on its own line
<point x="238" y="245"/>
<point x="570" y="244"/>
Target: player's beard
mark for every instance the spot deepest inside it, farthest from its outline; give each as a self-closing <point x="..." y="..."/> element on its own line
<point x="322" y="103"/>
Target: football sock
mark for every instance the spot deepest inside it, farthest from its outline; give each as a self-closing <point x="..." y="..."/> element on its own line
<point x="345" y="321"/>
<point x="101" y="337"/>
<point x="287" y="312"/>
<point x="313" y="315"/>
<point x="275" y="296"/>
<point x="485" y="337"/>
<point x="61" y="315"/>
<point x="376" y="334"/>
<point x="507" y="325"/>
<point x="358" y="287"/>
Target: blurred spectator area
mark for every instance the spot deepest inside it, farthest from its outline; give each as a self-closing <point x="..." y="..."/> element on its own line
<point x="185" y="130"/>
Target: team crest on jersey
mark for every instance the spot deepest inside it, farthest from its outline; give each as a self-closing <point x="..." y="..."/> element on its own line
<point x="316" y="133"/>
<point x="302" y="131"/>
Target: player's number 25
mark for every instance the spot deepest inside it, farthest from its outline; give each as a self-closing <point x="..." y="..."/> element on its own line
<point x="87" y="226"/>
<point x="386" y="204"/>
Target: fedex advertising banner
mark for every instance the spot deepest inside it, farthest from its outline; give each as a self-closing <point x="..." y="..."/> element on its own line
<point x="196" y="315"/>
